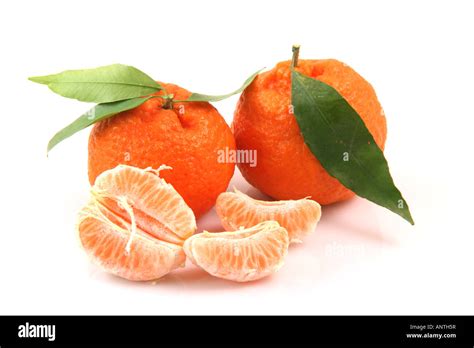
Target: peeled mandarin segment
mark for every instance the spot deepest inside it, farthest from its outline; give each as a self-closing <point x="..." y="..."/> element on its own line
<point x="135" y="223"/>
<point x="241" y="256"/>
<point x="106" y="243"/>
<point x="298" y="217"/>
<point x="158" y="208"/>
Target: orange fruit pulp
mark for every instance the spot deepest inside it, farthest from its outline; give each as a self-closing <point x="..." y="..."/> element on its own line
<point x="135" y="224"/>
<point x="241" y="256"/>
<point x="298" y="217"/>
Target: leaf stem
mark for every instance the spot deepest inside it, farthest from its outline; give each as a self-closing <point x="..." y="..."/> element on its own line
<point x="165" y="96"/>
<point x="182" y="101"/>
<point x="296" y="52"/>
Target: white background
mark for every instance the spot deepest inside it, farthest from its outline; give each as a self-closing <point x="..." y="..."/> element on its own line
<point x="361" y="260"/>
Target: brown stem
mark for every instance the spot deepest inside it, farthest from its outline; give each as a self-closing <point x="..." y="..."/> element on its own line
<point x="296" y="53"/>
<point x="168" y="102"/>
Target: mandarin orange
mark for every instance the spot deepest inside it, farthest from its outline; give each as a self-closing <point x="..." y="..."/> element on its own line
<point x="186" y="137"/>
<point x="263" y="121"/>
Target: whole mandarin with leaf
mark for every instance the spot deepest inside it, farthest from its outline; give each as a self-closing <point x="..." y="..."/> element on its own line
<point x="264" y="121"/>
<point x="185" y="136"/>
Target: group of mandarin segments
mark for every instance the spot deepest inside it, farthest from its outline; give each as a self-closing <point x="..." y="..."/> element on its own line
<point x="155" y="170"/>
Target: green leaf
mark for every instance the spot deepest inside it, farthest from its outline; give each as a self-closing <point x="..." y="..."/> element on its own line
<point x="100" y="85"/>
<point x="339" y="139"/>
<point x="97" y="113"/>
<point x="213" y="98"/>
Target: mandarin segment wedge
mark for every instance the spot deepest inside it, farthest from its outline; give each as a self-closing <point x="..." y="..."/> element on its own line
<point x="106" y="243"/>
<point x="298" y="217"/>
<point x="157" y="207"/>
<point x="135" y="224"/>
<point x="241" y="256"/>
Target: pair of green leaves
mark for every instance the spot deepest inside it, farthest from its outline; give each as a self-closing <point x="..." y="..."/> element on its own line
<point x="115" y="88"/>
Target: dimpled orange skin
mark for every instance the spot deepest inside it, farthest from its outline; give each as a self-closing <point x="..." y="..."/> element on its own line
<point x="186" y="138"/>
<point x="286" y="167"/>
